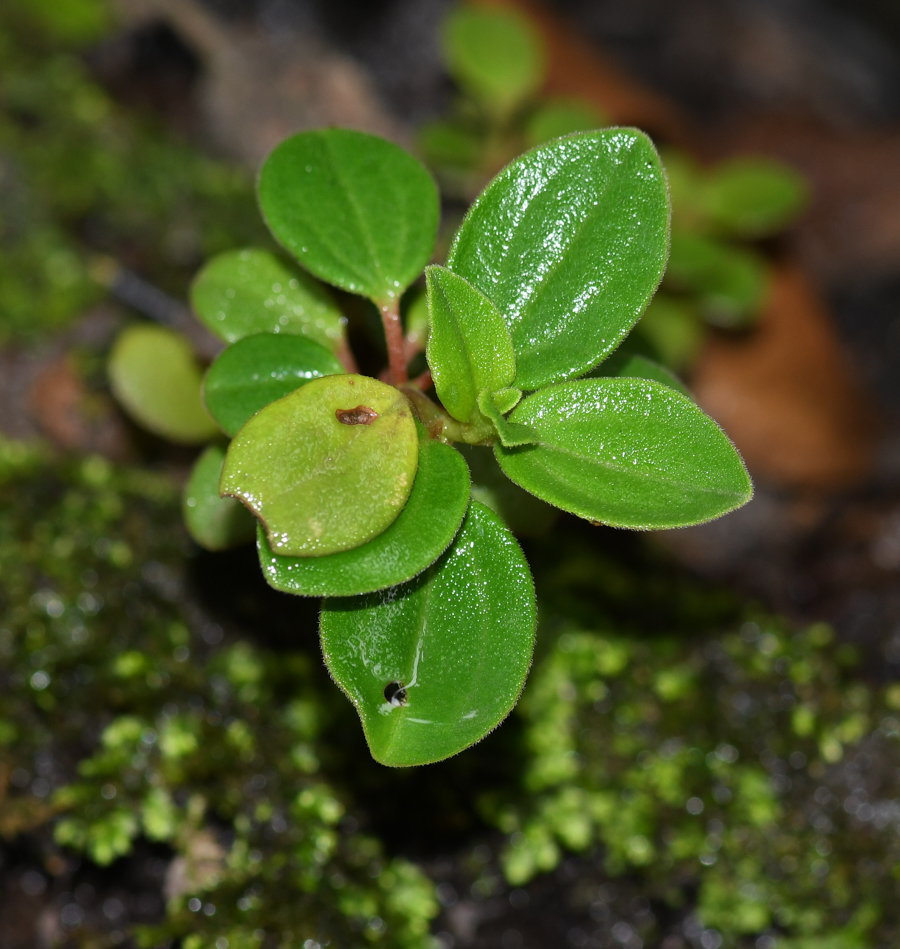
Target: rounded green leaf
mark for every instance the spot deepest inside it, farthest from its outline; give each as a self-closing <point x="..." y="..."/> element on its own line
<point x="258" y="370"/>
<point x="469" y="348"/>
<point x="557" y="117"/>
<point x="626" y="452"/>
<point x="243" y="292"/>
<point x="328" y="467"/>
<point x="569" y="242"/>
<point x="155" y="378"/>
<point x="495" y="55"/>
<point x="357" y="211"/>
<point x="433" y="665"/>
<point x="422" y="532"/>
<point x="754" y="197"/>
<point x="216" y="523"/>
<point x="731" y="282"/>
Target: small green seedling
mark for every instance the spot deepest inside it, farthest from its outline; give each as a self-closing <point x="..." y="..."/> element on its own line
<point x="715" y="277"/>
<point x="497" y="60"/>
<point x="429" y="616"/>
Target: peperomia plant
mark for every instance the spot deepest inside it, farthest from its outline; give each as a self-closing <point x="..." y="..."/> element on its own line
<point x="429" y="615"/>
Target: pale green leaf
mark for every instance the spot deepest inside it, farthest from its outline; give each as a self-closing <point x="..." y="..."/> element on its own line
<point x="328" y="467"/>
<point x="156" y="379"/>
<point x="243" y="292"/>
<point x="216" y="523"/>
<point x="422" y="532"/>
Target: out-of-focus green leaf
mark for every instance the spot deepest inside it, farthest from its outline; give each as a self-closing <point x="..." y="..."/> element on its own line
<point x="156" y="380"/>
<point x="554" y="118"/>
<point x="673" y="329"/>
<point x="243" y="292"/>
<point x="216" y="523"/>
<point x="328" y="467"/>
<point x="626" y="452"/>
<point x="495" y="55"/>
<point x="444" y="143"/>
<point x="569" y="242"/>
<point x="754" y="197"/>
<point x="434" y="665"/>
<point x="258" y="370"/>
<point x="636" y="366"/>
<point x="422" y="532"/>
<point x="731" y="282"/>
<point x="357" y="211"/>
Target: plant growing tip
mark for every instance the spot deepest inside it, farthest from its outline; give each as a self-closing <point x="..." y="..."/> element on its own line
<point x="429" y="618"/>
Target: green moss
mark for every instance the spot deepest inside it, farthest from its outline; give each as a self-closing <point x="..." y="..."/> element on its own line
<point x="749" y="766"/>
<point x="81" y="176"/>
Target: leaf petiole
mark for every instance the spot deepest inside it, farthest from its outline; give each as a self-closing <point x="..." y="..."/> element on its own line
<point x="396" y="345"/>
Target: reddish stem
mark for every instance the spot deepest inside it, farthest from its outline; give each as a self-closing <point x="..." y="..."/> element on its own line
<point x="393" y="334"/>
<point x="345" y="356"/>
<point x="424" y="381"/>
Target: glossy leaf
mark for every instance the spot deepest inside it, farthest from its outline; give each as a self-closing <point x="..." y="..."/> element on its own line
<point x="422" y="532"/>
<point x="434" y="665"/>
<point x="558" y="117"/>
<point x="636" y="366"/>
<point x="258" y="370"/>
<point x="626" y="452"/>
<point x="216" y="523"/>
<point x="731" y="282"/>
<point x="569" y="242"/>
<point x="495" y="55"/>
<point x="469" y="348"/>
<point x="320" y="484"/>
<point x="754" y="197"/>
<point x="357" y="211"/>
<point x="156" y="379"/>
<point x="244" y="292"/>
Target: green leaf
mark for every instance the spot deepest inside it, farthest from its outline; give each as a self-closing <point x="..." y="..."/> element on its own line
<point x="216" y="523"/>
<point x="557" y="117"/>
<point x="243" y="292"/>
<point x="626" y="452"/>
<point x="469" y="348"/>
<point x="155" y="378"/>
<point x="495" y="55"/>
<point x="422" y="532"/>
<point x="754" y="197"/>
<point x="569" y="242"/>
<point x="633" y="365"/>
<point x="510" y="433"/>
<point x="357" y="211"/>
<point x="258" y="370"/>
<point x="327" y="467"/>
<point x="673" y="329"/>
<point x="732" y="282"/>
<point x="444" y="143"/>
<point x="434" y="665"/>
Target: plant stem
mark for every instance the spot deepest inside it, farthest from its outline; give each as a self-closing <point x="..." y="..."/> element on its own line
<point x="393" y="334"/>
<point x="444" y="427"/>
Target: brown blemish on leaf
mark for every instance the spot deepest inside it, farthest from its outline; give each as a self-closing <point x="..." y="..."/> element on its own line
<point x="361" y="415"/>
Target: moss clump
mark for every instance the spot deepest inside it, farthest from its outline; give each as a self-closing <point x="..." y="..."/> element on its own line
<point x="751" y="768"/>
<point x="81" y="176"/>
<point x="118" y="720"/>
